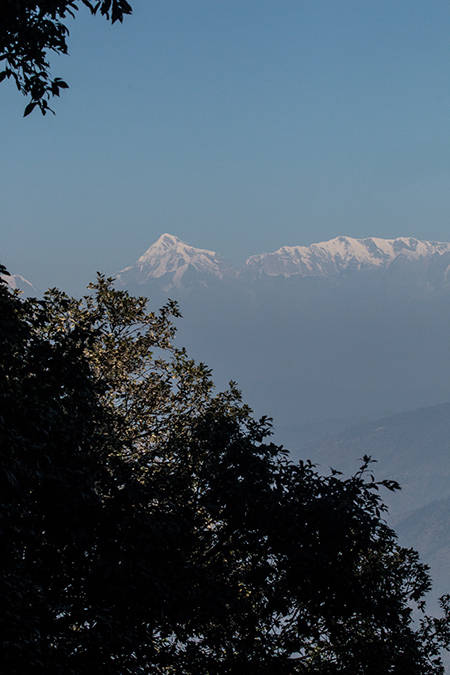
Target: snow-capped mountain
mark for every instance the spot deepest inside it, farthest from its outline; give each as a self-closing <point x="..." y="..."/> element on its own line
<point x="324" y="337"/>
<point x="16" y="281"/>
<point x="343" y="254"/>
<point x="170" y="260"/>
<point x="174" y="263"/>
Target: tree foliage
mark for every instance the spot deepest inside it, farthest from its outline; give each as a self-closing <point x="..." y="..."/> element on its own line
<point x="149" y="526"/>
<point x="30" y="30"/>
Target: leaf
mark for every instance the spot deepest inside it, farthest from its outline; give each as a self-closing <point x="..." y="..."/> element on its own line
<point x="61" y="84"/>
<point x="30" y="107"/>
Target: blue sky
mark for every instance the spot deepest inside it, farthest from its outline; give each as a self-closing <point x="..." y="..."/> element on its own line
<point x="239" y="126"/>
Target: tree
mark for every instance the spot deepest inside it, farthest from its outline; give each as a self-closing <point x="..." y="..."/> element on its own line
<point x="29" y="30"/>
<point x="148" y="526"/>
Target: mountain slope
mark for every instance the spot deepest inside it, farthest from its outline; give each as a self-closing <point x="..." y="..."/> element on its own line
<point x="172" y="262"/>
<point x="16" y="281"/>
<point x="412" y="448"/>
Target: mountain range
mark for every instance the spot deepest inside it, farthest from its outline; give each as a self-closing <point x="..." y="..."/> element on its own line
<point x="175" y="263"/>
<point x="345" y="343"/>
<point x="339" y="329"/>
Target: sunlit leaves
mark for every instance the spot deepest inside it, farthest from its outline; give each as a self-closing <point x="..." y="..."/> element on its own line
<point x="148" y="526"/>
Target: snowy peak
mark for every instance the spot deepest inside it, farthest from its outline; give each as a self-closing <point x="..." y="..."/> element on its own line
<point x="17" y="282"/>
<point x="174" y="263"/>
<point x="170" y="260"/>
<point x="342" y="254"/>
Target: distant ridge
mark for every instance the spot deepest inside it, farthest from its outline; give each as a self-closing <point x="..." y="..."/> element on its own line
<point x="335" y="330"/>
<point x="174" y="262"/>
<point x="413" y="448"/>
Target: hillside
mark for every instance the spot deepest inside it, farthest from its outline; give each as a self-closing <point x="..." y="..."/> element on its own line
<point x="412" y="448"/>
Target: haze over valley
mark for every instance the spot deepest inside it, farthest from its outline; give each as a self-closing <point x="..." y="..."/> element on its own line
<point x="345" y="328"/>
<point x="281" y="172"/>
<point x="344" y="343"/>
<point x="334" y="341"/>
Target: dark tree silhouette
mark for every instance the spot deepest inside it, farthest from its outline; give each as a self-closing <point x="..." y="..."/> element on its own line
<point x="148" y="526"/>
<point x="30" y="30"/>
